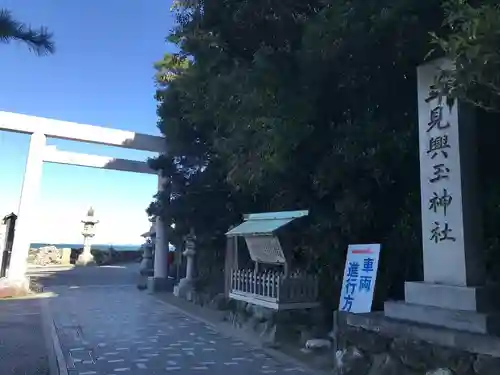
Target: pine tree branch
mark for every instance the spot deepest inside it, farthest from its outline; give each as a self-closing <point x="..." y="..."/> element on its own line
<point x="38" y="40"/>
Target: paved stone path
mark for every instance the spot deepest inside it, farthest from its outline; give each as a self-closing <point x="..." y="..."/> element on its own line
<point x="23" y="348"/>
<point x="113" y="329"/>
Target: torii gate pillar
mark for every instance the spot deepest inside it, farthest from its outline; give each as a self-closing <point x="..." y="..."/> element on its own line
<point x="27" y="206"/>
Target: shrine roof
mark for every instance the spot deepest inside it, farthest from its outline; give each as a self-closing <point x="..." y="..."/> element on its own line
<point x="265" y="223"/>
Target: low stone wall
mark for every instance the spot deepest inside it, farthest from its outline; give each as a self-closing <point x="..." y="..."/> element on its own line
<point x="111" y="256"/>
<point x="302" y="334"/>
<point x="277" y="327"/>
<point x="273" y="327"/>
<point x="373" y="345"/>
<point x="49" y="255"/>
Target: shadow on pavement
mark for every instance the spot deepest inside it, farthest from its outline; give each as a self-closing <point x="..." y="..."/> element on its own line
<point x="26" y="346"/>
<point x="120" y="274"/>
<point x="23" y="340"/>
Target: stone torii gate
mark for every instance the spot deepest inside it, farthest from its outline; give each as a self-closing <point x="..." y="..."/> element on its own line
<point x="39" y="152"/>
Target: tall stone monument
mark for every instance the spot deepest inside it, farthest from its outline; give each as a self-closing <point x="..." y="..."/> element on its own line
<point x="452" y="294"/>
<point x="88" y="233"/>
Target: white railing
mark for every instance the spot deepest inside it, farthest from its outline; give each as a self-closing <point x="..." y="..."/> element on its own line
<point x="274" y="287"/>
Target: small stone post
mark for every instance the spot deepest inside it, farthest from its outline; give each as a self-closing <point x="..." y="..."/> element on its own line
<point x="229" y="262"/>
<point x="185" y="286"/>
<point x="88" y="233"/>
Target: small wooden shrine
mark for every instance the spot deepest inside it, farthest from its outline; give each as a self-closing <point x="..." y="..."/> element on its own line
<point x="271" y="283"/>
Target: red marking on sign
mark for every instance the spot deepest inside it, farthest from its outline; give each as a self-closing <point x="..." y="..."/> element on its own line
<point x="362" y="251"/>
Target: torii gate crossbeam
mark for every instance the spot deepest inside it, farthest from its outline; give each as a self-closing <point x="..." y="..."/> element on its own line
<point x="39" y="152"/>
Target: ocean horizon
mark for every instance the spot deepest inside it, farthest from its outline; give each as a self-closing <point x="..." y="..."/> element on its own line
<point x="130" y="247"/>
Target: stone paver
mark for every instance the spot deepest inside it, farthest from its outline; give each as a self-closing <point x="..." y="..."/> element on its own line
<point x="118" y="330"/>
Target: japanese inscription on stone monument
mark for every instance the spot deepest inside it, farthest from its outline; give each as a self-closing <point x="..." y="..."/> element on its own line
<point x="438" y="151"/>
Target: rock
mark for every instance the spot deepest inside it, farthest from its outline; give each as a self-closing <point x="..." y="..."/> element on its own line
<point x="285" y="317"/>
<point x="241" y="306"/>
<point x="262" y="313"/>
<point x="440" y="371"/>
<point x="457" y="361"/>
<point x="46" y="255"/>
<point x="201" y="298"/>
<point x="351" y="361"/>
<point x="324" y="361"/>
<point x="219" y="302"/>
<point x="332" y="335"/>
<point x="94" y="257"/>
<point x="318" y="344"/>
<point x="317" y="315"/>
<point x="252" y="324"/>
<point x="192" y="296"/>
<point x="364" y="340"/>
<point x="231" y="305"/>
<point x="147" y="272"/>
<point x="260" y="327"/>
<point x="414" y="354"/>
<point x="66" y="256"/>
<point x="268" y="335"/>
<point x="13" y="288"/>
<point x="248" y="308"/>
<point x="35" y="287"/>
<point x="183" y="287"/>
<point x="236" y="318"/>
<point x="305" y="335"/>
<point x="486" y="365"/>
<point x="384" y="364"/>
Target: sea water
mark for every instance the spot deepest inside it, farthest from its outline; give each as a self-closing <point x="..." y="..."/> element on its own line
<point x="94" y="246"/>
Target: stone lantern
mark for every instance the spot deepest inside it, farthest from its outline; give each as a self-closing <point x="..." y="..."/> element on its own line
<point x="185" y="286"/>
<point x="88" y="233"/>
<point x="146" y="267"/>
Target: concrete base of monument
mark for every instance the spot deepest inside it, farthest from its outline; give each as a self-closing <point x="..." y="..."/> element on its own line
<point x="15" y="286"/>
<point x="417" y="340"/>
<point x="462" y="320"/>
<point x="85" y="259"/>
<point x="160" y="284"/>
<point x="476" y="299"/>
<point x="184" y="288"/>
<point x="149" y="272"/>
<point x="147" y="267"/>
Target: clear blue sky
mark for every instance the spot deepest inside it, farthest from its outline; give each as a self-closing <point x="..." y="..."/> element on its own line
<point x="101" y="74"/>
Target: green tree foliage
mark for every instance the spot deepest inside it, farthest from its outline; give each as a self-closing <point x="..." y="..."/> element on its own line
<point x="299" y="104"/>
<point x="38" y="40"/>
<point x="473" y="46"/>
